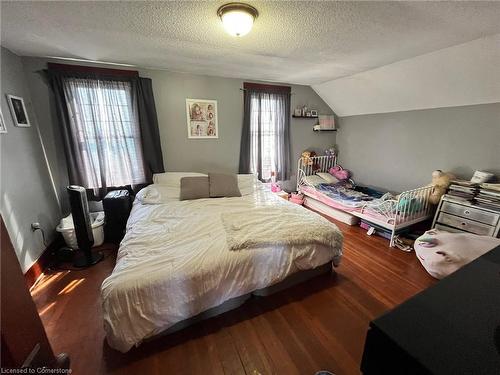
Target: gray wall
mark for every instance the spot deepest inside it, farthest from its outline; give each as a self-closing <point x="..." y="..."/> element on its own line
<point x="27" y="193"/>
<point x="180" y="153"/>
<point x="396" y="151"/>
<point x="400" y="150"/>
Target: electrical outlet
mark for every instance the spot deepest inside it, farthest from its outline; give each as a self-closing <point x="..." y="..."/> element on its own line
<point x="35" y="226"/>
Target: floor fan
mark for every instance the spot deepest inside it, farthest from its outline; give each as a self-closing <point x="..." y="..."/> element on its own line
<point x="83" y="227"/>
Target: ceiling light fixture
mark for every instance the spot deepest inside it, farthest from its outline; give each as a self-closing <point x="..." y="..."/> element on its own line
<point x="237" y="18"/>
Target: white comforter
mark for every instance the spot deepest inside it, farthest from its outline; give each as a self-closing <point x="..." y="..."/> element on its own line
<point x="174" y="263"/>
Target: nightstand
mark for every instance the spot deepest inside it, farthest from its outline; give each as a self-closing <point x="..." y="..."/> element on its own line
<point x="461" y="216"/>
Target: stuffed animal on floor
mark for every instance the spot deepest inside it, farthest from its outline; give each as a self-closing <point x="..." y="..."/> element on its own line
<point x="441" y="181"/>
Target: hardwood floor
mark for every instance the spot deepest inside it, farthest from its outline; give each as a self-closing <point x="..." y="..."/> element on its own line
<point x="319" y="324"/>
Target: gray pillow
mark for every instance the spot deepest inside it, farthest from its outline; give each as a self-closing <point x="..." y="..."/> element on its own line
<point x="194" y="188"/>
<point x="223" y="185"/>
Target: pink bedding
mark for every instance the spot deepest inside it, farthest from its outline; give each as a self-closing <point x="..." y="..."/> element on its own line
<point x="313" y="193"/>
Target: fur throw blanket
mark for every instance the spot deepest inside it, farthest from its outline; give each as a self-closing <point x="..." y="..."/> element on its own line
<point x="279" y="225"/>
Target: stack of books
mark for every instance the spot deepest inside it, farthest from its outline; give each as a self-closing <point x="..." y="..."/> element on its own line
<point x="488" y="196"/>
<point x="463" y="190"/>
<point x="484" y="195"/>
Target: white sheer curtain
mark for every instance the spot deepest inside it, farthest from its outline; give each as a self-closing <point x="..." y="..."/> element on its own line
<point x="267" y="140"/>
<point x="104" y="121"/>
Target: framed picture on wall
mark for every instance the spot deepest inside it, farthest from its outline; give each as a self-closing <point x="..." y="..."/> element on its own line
<point x="3" y="128"/>
<point x="18" y="111"/>
<point x="202" y="118"/>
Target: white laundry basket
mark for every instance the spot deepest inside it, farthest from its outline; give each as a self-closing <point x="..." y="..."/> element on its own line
<point x="67" y="229"/>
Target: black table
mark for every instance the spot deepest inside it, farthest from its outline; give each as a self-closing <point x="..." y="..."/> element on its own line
<point x="452" y="327"/>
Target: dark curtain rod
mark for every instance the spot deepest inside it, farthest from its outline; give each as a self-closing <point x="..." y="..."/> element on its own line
<point x="86" y="69"/>
<point x="242" y="89"/>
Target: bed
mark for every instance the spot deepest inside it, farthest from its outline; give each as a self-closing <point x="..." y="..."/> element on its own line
<point x="392" y="212"/>
<point x="174" y="265"/>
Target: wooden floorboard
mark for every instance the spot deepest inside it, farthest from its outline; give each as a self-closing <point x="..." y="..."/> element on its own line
<point x="319" y="324"/>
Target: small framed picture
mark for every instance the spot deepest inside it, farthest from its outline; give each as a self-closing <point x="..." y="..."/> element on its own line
<point x="18" y="111"/>
<point x="314" y="113"/>
<point x="202" y="118"/>
<point x="3" y="128"/>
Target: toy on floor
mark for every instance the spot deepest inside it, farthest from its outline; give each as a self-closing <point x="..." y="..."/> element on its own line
<point x="297" y="198"/>
<point x="403" y="243"/>
<point x="275" y="187"/>
<point x="450" y="251"/>
<point x="441" y="181"/>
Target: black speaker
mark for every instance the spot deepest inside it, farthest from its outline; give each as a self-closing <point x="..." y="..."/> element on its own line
<point x="83" y="227"/>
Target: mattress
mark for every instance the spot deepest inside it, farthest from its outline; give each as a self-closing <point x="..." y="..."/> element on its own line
<point x="361" y="209"/>
<point x="332" y="202"/>
<point x="174" y="263"/>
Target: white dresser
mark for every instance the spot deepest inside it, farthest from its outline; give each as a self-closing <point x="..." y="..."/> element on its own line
<point x="457" y="216"/>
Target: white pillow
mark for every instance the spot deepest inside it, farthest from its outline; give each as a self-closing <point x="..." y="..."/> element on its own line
<point x="247" y="183"/>
<point x="158" y="194"/>
<point x="314" y="180"/>
<point x="173" y="179"/>
<point x="327" y="177"/>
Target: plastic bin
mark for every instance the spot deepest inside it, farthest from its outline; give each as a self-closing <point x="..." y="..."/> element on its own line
<point x="67" y="229"/>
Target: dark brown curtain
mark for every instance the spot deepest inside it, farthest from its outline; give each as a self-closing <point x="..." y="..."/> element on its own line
<point x="148" y="121"/>
<point x="109" y="126"/>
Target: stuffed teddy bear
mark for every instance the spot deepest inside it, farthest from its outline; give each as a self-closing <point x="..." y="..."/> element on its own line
<point x="441" y="181"/>
<point x="306" y="158"/>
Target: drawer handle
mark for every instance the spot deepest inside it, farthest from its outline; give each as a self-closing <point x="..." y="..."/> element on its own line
<point x="467" y="212"/>
<point x="464" y="224"/>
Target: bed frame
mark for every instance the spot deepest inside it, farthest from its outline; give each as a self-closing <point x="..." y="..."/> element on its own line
<point x="384" y="214"/>
<point x="290" y="281"/>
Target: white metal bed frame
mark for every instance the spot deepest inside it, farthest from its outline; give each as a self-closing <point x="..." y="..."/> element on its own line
<point x="387" y="214"/>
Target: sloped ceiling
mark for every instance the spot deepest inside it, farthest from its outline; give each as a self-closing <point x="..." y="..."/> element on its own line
<point x="465" y="74"/>
<point x="303" y="42"/>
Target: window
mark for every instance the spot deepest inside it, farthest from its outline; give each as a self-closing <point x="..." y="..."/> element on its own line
<point x="105" y="126"/>
<point x="265" y="144"/>
<point x="263" y="136"/>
